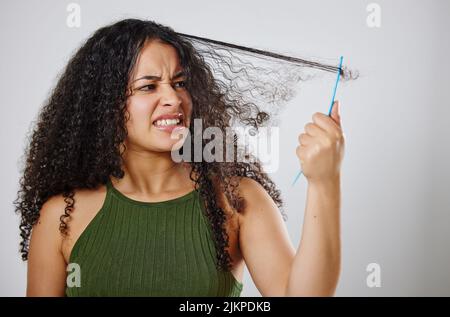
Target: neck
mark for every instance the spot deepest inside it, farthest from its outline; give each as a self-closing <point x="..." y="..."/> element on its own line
<point x="150" y="173"/>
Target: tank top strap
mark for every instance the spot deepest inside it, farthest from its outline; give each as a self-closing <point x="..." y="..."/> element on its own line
<point x="108" y="185"/>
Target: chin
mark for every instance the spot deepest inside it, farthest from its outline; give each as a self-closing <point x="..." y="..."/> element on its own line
<point x="168" y="146"/>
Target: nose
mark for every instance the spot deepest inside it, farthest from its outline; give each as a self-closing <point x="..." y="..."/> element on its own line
<point x="169" y="96"/>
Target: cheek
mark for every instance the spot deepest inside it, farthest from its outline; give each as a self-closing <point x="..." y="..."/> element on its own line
<point x="140" y="110"/>
<point x="187" y="106"/>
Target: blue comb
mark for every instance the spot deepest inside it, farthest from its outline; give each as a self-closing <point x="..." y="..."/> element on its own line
<point x="331" y="107"/>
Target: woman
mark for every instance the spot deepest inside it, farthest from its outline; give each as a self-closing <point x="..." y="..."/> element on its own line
<point x="106" y="211"/>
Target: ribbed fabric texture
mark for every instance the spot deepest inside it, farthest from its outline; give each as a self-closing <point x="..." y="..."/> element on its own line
<point x="134" y="248"/>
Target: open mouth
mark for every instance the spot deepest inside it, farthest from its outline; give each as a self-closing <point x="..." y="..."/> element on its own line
<point x="168" y="122"/>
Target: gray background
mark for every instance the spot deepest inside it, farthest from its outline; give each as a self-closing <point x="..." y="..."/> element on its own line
<point x="395" y="117"/>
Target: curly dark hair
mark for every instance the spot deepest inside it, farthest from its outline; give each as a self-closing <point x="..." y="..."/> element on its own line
<point x="78" y="139"/>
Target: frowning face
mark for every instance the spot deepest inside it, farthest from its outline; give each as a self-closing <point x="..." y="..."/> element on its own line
<point x="158" y="103"/>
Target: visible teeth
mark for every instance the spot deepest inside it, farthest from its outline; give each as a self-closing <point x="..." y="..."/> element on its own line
<point x="166" y="122"/>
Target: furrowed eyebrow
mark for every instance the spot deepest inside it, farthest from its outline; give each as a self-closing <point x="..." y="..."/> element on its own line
<point x="152" y="77"/>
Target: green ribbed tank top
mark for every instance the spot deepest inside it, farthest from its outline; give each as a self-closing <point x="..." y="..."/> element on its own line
<point x="135" y="248"/>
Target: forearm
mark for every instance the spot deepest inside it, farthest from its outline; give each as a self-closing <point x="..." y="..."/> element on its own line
<point x="316" y="266"/>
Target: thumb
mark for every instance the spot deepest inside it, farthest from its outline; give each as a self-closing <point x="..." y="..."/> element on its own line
<point x="335" y="113"/>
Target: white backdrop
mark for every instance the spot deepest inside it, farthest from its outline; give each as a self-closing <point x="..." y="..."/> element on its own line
<point x="395" y="207"/>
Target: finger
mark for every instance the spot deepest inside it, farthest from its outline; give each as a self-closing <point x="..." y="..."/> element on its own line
<point x="300" y="151"/>
<point x="304" y="139"/>
<point x="336" y="113"/>
<point x="313" y="129"/>
<point x="326" y="123"/>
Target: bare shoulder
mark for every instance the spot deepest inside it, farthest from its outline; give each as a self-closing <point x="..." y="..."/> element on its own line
<point x="255" y="197"/>
<point x="54" y="207"/>
<point x="87" y="203"/>
<point x="248" y="186"/>
<point x="49" y="249"/>
<point x="51" y="210"/>
<point x="46" y="229"/>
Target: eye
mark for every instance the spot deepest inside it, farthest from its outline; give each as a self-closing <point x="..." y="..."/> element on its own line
<point x="149" y="87"/>
<point x="180" y="84"/>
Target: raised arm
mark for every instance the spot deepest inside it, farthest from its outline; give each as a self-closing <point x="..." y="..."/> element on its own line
<point x="313" y="270"/>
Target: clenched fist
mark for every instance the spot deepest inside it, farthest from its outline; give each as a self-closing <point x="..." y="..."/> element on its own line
<point x="321" y="148"/>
